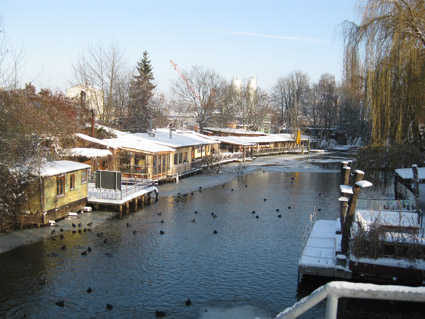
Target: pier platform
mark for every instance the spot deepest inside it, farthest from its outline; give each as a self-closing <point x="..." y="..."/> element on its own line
<point x="320" y="251"/>
<point x="135" y="193"/>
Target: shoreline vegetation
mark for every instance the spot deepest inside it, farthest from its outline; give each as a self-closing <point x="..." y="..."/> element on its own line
<point x="229" y="172"/>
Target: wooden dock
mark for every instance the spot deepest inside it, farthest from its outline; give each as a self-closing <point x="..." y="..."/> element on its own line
<point x="134" y="194"/>
<point x="320" y="252"/>
<point x="378" y="240"/>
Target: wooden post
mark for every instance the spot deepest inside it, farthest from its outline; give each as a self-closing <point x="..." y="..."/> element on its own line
<point x="345" y="178"/>
<point x="127" y="207"/>
<point x="135" y="204"/>
<point x="358" y="176"/>
<point x="344" y="167"/>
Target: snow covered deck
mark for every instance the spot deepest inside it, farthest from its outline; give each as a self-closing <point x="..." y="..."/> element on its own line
<point x="98" y="196"/>
<point x="319" y="254"/>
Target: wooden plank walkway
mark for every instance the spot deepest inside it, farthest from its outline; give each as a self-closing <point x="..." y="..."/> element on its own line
<point x="319" y="254"/>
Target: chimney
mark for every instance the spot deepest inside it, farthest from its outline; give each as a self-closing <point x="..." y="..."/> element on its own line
<point x="171" y="132"/>
<point x="92" y="123"/>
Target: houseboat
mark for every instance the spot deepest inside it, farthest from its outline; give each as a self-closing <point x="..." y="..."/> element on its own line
<point x="61" y="187"/>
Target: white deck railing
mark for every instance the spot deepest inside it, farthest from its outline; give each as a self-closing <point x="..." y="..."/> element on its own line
<point x="127" y="189"/>
<point x="341" y="289"/>
<point x="308" y="229"/>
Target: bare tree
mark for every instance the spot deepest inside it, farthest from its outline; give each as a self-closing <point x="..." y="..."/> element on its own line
<point x="11" y="61"/>
<point x="327" y="94"/>
<point x="226" y="107"/>
<point x="288" y="95"/>
<point x="253" y="107"/>
<point x="104" y="68"/>
<point x="198" y="94"/>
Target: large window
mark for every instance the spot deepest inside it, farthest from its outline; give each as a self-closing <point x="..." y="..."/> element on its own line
<point x="60" y="185"/>
<point x="72" y="181"/>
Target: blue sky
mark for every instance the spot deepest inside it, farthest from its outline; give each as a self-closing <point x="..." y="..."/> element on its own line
<point x="266" y="39"/>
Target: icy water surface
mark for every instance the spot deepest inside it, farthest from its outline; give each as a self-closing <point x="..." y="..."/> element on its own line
<point x="224" y="248"/>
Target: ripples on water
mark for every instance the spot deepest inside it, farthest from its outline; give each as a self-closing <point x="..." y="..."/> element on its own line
<point x="250" y="262"/>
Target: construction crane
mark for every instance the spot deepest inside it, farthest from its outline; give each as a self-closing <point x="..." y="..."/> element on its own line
<point x="192" y="89"/>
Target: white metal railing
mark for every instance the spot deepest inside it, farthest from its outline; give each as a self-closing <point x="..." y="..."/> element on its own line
<point x="308" y="229"/>
<point x="341" y="289"/>
<point x="126" y="190"/>
<point x="183" y="168"/>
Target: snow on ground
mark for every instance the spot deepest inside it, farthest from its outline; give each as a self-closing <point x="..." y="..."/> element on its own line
<point x="12" y="240"/>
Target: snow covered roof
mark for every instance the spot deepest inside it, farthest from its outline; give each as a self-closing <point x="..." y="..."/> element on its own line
<point x="60" y="167"/>
<point x="407" y="173"/>
<point x="88" y="152"/>
<point x="131" y="141"/>
<point x="128" y="141"/>
<point x="178" y="139"/>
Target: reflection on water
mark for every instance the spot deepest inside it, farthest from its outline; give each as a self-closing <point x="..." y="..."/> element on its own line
<point x="248" y="265"/>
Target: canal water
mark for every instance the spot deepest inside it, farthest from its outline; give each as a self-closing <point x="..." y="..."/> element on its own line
<point x="232" y="249"/>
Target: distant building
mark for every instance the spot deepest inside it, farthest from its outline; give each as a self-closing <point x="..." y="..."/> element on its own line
<point x="89" y="96"/>
<point x="239" y="83"/>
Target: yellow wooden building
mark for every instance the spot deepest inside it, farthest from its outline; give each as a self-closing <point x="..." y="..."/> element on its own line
<point x="190" y="149"/>
<point x="61" y="187"/>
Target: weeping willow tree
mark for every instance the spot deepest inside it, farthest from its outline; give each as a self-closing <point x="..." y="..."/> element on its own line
<point x="385" y="61"/>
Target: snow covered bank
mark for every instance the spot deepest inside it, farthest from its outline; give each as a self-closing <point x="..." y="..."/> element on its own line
<point x="12" y="240"/>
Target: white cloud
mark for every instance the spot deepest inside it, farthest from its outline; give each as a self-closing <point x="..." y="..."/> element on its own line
<point x="267" y="36"/>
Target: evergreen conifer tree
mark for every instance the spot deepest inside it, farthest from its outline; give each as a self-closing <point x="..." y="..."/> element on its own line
<point x="141" y="93"/>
